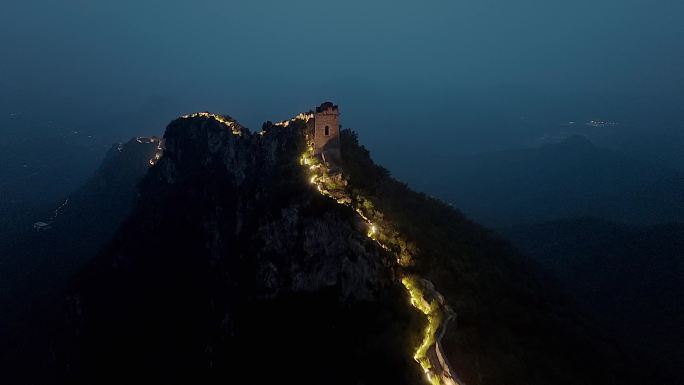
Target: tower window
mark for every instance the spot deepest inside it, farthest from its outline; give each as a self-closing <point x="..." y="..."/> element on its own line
<point x="327" y="130"/>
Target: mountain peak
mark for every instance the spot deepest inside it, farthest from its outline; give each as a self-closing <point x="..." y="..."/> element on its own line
<point x="577" y="140"/>
<point x="254" y="240"/>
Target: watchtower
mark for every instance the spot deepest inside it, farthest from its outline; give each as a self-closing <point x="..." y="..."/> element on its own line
<point x="327" y="131"/>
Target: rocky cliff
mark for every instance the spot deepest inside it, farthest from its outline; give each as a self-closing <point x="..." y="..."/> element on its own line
<point x="231" y="263"/>
<point x="245" y="260"/>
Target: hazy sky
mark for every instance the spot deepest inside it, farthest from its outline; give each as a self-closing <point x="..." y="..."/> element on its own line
<point x="463" y="71"/>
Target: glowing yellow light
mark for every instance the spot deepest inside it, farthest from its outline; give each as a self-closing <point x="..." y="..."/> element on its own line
<point x="371" y="230"/>
<point x="303" y="116"/>
<point x="330" y="186"/>
<point x="234" y="128"/>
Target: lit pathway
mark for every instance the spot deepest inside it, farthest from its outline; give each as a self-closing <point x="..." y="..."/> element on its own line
<point x="422" y="293"/>
<point x="234" y="127"/>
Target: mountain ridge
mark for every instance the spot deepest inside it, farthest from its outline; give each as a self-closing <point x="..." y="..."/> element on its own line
<point x="567" y="179"/>
<point x="230" y="248"/>
<point x="628" y="277"/>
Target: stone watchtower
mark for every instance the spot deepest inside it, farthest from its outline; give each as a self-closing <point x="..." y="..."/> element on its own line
<point x="327" y="131"/>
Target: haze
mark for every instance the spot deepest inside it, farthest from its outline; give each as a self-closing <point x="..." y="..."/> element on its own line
<point x="429" y="79"/>
<point x="556" y="125"/>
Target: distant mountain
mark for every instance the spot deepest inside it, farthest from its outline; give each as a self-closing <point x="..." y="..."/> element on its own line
<point x="567" y="179"/>
<point x="658" y="141"/>
<point x="35" y="263"/>
<point x="665" y="146"/>
<point x="244" y="262"/>
<point x="43" y="159"/>
<point x="630" y="277"/>
<point x="40" y="162"/>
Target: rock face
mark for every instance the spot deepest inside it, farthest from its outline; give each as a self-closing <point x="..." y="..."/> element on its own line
<point x="239" y="264"/>
<point x="229" y="262"/>
<point x="298" y="249"/>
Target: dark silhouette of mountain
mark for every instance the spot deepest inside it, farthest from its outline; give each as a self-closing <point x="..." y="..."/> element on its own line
<point x="568" y="179"/>
<point x="43" y="159"/>
<point x="230" y="262"/>
<point x="508" y="310"/>
<point x="663" y="146"/>
<point x="40" y="161"/>
<point x="36" y="264"/>
<point x="629" y="277"/>
<point x="233" y="268"/>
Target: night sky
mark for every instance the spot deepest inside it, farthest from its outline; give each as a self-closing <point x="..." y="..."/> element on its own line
<point x="432" y="76"/>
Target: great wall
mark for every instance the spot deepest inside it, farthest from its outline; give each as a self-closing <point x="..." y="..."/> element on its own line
<point x="329" y="181"/>
<point x="422" y="294"/>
